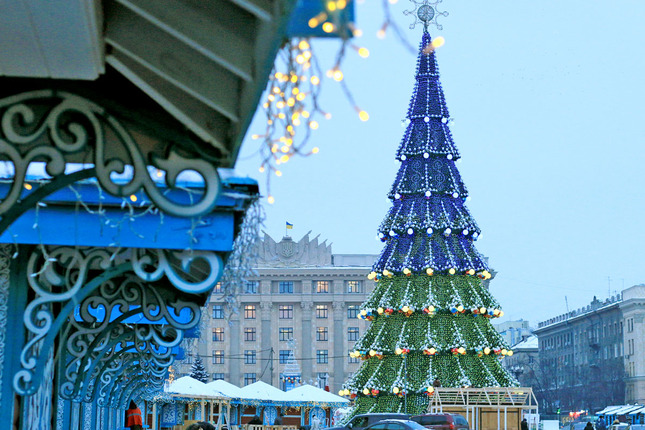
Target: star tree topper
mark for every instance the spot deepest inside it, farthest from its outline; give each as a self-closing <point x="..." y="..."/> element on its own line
<point x="426" y="12"/>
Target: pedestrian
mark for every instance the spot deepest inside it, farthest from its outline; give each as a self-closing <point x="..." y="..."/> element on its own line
<point x="202" y="425"/>
<point x="525" y="425"/>
<point x="436" y="383"/>
<point x="133" y="417"/>
<point x="589" y="426"/>
<point x="278" y="420"/>
<point x="255" y="420"/>
<point x="600" y="424"/>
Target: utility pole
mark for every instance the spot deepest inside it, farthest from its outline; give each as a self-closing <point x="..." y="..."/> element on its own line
<point x="271" y="364"/>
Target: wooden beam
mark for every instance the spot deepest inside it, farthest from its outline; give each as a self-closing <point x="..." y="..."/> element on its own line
<point x="226" y="40"/>
<point x="207" y="124"/>
<point x="172" y="60"/>
<point x="260" y="8"/>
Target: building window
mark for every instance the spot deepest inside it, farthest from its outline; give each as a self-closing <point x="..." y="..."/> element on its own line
<point x="352" y="333"/>
<point x="217" y="376"/>
<point x="249" y="334"/>
<point x="286" y="333"/>
<point x="352" y="359"/>
<point x="249" y="356"/>
<point x="249" y="378"/>
<point x="218" y="334"/>
<point x="249" y="312"/>
<point x="284" y="355"/>
<point x="322" y="311"/>
<point x="285" y="312"/>
<point x="189" y="358"/>
<point x="218" y="288"/>
<point x="285" y="287"/>
<point x="322" y="334"/>
<point x="251" y="287"/>
<point x="218" y="357"/>
<point x="322" y="356"/>
<point x="352" y="311"/>
<point x="322" y="286"/>
<point x="323" y="379"/>
<point x="218" y="312"/>
<point x="354" y="287"/>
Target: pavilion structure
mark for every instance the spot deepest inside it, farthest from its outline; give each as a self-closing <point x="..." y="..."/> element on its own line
<point x="119" y="120"/>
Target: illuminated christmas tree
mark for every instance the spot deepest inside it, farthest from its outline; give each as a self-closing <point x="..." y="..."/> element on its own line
<point x="430" y="311"/>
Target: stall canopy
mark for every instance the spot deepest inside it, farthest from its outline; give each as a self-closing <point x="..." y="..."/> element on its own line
<point x="189" y="387"/>
<point x="313" y="395"/>
<point x="222" y="388"/>
<point x="262" y="391"/>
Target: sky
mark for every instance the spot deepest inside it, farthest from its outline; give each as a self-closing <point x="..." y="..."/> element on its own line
<point x="547" y="100"/>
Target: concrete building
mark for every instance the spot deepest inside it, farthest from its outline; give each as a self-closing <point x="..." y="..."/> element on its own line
<point x="304" y="301"/>
<point x="593" y="357"/>
<point x="633" y="309"/>
<point x="514" y="332"/>
<point x="524" y="363"/>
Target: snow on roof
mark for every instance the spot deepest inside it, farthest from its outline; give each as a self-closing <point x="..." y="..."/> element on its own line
<point x="309" y="393"/>
<point x="222" y="388"/>
<point x="608" y="409"/>
<point x="624" y="409"/>
<point x="640" y="410"/>
<point x="188" y="386"/>
<point x="530" y="342"/>
<point x="262" y="391"/>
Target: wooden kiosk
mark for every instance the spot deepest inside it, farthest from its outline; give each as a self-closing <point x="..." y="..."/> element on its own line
<point x="492" y="408"/>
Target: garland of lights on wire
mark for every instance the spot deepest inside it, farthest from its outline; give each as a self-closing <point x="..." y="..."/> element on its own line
<point x="430" y="310"/>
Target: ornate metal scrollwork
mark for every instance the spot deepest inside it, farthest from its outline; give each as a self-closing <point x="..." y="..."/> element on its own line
<point x="55" y="126"/>
<point x="98" y="296"/>
<point x="151" y="265"/>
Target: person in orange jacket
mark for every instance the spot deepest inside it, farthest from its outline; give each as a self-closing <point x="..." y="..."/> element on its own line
<point x="133" y="418"/>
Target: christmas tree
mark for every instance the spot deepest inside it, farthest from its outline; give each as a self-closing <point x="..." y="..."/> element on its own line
<point x="430" y="310"/>
<point x="198" y="371"/>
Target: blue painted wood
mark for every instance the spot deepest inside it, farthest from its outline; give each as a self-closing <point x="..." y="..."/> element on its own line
<point x="65" y="225"/>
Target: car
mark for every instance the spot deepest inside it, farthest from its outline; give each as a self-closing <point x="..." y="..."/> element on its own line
<point x="362" y="421"/>
<point x="393" y="424"/>
<point x="580" y="425"/>
<point x="442" y="421"/>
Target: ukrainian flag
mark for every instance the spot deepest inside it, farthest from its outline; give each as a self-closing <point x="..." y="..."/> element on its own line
<point x="289" y="225"/>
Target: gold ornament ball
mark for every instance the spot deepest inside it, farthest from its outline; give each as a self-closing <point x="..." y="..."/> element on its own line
<point x="487" y="350"/>
<point x="395" y="390"/>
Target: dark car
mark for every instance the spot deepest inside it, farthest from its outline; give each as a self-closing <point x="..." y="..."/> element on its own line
<point x="396" y="425"/>
<point x="362" y="421"/>
<point x="442" y="421"/>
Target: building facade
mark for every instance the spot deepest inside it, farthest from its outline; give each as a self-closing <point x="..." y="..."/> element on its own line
<point x="302" y="304"/>
<point x="632" y="307"/>
<point x="524" y="363"/>
<point x="593" y="357"/>
<point x="514" y="332"/>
